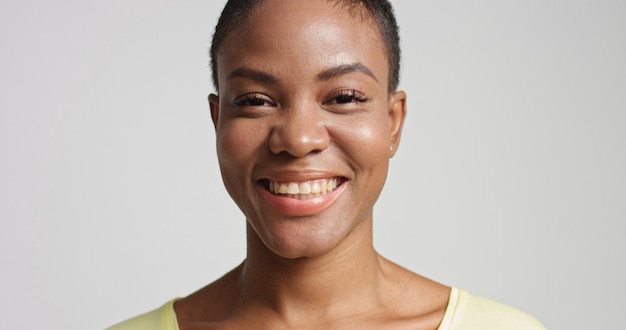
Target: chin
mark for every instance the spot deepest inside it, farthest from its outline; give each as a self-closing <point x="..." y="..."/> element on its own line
<point x="299" y="251"/>
<point x="296" y="240"/>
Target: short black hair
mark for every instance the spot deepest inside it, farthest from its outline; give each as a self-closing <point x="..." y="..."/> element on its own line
<point x="236" y="11"/>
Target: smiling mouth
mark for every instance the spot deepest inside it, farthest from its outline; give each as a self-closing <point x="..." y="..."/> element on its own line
<point x="303" y="190"/>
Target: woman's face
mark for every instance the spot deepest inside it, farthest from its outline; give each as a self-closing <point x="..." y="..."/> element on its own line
<point x="305" y="124"/>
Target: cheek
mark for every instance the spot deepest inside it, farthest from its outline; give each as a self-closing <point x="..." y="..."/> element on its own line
<point x="237" y="141"/>
<point x="367" y="140"/>
<point x="238" y="146"/>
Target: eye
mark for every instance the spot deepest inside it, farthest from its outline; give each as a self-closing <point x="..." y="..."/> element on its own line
<point x="346" y="96"/>
<point x="253" y="100"/>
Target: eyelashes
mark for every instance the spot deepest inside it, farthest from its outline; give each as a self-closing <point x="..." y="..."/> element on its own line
<point x="341" y="97"/>
<point x="253" y="100"/>
<point x="346" y="96"/>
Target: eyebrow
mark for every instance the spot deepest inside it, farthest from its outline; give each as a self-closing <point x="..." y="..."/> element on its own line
<point x="255" y="75"/>
<point x="343" y="69"/>
<point x="325" y="75"/>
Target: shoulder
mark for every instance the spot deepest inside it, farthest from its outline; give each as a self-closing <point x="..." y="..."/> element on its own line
<point x="468" y="312"/>
<point x="163" y="318"/>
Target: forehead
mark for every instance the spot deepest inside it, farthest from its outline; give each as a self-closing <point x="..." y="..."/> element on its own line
<point x="296" y="36"/>
<point x="285" y="12"/>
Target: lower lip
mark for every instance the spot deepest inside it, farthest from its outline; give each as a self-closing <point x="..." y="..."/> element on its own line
<point x="301" y="207"/>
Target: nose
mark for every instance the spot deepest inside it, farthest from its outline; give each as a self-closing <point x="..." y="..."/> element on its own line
<point x="299" y="133"/>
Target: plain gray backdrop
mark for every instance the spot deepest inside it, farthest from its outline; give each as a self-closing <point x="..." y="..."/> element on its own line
<point x="510" y="180"/>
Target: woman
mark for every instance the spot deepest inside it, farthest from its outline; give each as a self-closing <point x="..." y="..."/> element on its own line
<point x="307" y="116"/>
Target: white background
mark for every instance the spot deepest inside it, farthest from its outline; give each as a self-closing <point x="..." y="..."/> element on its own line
<point x="510" y="181"/>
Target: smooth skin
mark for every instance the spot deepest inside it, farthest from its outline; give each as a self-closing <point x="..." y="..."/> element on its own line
<point x="303" y="96"/>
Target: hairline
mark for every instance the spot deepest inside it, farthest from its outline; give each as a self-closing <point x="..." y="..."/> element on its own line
<point x="355" y="8"/>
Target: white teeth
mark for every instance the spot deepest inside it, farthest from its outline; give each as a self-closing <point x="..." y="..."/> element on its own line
<point x="316" y="189"/>
<point x="275" y="186"/>
<point x="292" y="188"/>
<point x="303" y="190"/>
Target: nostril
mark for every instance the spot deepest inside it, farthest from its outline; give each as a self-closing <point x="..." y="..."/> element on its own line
<point x="298" y="146"/>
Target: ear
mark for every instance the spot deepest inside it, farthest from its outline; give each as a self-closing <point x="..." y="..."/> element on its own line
<point x="214" y="104"/>
<point x="397" y="113"/>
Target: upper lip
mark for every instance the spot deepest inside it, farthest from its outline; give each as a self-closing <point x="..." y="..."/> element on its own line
<point x="298" y="175"/>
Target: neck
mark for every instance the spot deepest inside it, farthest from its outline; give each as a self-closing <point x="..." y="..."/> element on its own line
<point x="346" y="276"/>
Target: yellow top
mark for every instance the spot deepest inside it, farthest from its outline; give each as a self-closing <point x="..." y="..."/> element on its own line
<point x="464" y="312"/>
<point x="467" y="312"/>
